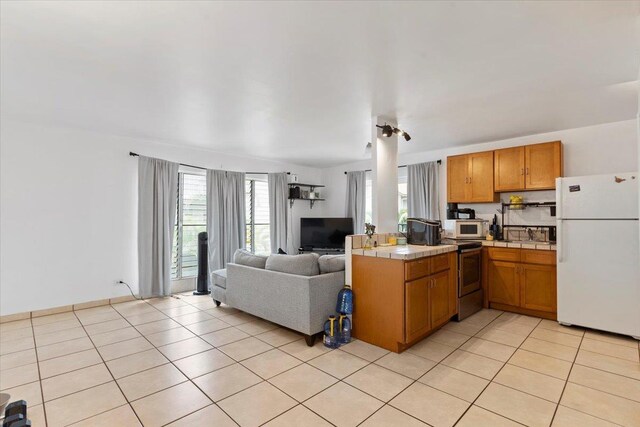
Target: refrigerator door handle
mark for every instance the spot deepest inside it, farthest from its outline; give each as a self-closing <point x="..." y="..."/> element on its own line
<point x="559" y="237"/>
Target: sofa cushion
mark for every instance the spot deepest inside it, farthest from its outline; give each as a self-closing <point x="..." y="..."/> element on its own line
<point x="302" y="265"/>
<point x="244" y="257"/>
<point x="331" y="263"/>
<point x="219" y="278"/>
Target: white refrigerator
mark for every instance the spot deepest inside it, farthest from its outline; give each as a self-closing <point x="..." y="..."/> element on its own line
<point x="598" y="256"/>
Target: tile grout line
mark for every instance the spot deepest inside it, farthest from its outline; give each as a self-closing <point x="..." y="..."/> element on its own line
<point x="338" y="380"/>
<point x="429" y="370"/>
<point x="114" y="380"/>
<point x="35" y="347"/>
<point x="298" y="403"/>
<point x="188" y="380"/>
<point x="496" y="374"/>
<point x="567" y="382"/>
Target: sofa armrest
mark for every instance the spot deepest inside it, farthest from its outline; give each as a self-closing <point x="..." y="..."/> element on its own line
<point x="301" y="303"/>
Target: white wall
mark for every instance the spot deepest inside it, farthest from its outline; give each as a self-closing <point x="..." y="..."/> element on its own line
<point x="606" y="148"/>
<point x="68" y="211"/>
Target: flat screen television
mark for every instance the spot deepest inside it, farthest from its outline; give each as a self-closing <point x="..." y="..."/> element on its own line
<point x="326" y="233"/>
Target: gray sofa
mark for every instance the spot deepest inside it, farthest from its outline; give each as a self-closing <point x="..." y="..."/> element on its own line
<point x="301" y="301"/>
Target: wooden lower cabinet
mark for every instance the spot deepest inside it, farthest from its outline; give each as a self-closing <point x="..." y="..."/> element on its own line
<point x="538" y="287"/>
<point x="393" y="307"/>
<point x="505" y="282"/>
<point x="525" y="285"/>
<point x="439" y="298"/>
<point x="416" y="310"/>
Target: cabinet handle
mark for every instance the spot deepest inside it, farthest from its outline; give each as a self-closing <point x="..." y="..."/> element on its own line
<point x="469" y="180"/>
<point x="527" y="171"/>
<point x="522" y="171"/>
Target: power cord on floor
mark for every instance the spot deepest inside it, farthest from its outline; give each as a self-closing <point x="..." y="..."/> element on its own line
<point x="132" y="294"/>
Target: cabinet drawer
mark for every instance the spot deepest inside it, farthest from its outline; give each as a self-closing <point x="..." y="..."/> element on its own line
<point x="439" y="263"/>
<point x="504" y="254"/>
<point x="530" y="256"/>
<point x="416" y="269"/>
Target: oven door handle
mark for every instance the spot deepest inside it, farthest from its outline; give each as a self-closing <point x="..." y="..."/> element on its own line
<point x="466" y="251"/>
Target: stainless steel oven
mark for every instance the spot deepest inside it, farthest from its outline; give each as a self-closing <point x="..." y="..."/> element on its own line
<point x="470" y="264"/>
<point x="469" y="279"/>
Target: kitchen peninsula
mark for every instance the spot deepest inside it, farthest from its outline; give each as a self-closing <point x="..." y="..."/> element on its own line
<point x="402" y="293"/>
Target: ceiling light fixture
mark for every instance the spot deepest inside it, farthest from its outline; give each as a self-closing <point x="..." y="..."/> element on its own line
<point x="387" y="131"/>
<point x="402" y="133"/>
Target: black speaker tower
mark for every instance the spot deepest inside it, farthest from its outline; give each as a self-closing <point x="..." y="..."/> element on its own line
<point x="203" y="265"/>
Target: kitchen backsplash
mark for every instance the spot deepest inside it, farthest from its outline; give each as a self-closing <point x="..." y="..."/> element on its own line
<point x="527" y="216"/>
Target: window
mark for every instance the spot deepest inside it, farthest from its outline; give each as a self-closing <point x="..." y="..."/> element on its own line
<point x="368" y="206"/>
<point x="402" y="201"/>
<point x="257" y="214"/>
<point x="191" y="219"/>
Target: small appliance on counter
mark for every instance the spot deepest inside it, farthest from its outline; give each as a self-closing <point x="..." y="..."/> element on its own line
<point x="422" y="231"/>
<point x="464" y="228"/>
<point x="454" y="212"/>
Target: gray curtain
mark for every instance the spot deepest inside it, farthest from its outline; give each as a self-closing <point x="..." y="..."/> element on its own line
<point x="278" y="211"/>
<point x="422" y="191"/>
<point x="225" y="216"/>
<point x="356" y="199"/>
<point x="157" y="199"/>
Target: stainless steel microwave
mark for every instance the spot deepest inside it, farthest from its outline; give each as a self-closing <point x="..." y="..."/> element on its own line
<point x="464" y="228"/>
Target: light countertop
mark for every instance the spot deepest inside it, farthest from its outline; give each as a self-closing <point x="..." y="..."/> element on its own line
<point x="521" y="245"/>
<point x="405" y="252"/>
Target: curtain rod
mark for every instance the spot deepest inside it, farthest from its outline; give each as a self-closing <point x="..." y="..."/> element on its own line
<point x="401" y="166"/>
<point x="131" y="153"/>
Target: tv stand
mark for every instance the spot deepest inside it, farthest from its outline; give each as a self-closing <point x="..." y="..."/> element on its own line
<point x="321" y="251"/>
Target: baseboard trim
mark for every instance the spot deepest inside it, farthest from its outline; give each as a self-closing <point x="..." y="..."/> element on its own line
<point x="64" y="309"/>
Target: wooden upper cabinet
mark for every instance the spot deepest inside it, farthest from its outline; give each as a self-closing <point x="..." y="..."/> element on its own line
<point x="481" y="177"/>
<point x="457" y="178"/>
<point x="478" y="177"/>
<point x="543" y="164"/>
<point x="470" y="178"/>
<point x="509" y="169"/>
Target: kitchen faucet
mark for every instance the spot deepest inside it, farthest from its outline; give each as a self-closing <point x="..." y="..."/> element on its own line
<point x="531" y="234"/>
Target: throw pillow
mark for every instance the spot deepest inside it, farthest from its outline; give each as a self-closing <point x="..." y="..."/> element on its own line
<point x="331" y="263"/>
<point x="244" y="257"/>
<point x="301" y="265"/>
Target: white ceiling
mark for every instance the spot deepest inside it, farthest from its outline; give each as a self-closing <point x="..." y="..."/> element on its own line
<point x="300" y="81"/>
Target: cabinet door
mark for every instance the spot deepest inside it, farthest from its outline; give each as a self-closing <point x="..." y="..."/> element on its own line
<point x="538" y="287"/>
<point x="509" y="169"/>
<point x="457" y="178"/>
<point x="543" y="164"/>
<point x="481" y="177"/>
<point x="439" y="298"/>
<point x="504" y="282"/>
<point x="416" y="308"/>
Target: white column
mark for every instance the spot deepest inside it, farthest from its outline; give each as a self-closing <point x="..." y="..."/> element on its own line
<point x="385" y="178"/>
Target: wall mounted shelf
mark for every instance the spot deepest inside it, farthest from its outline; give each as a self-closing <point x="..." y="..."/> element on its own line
<point x="311" y="188"/>
<point x="524" y="205"/>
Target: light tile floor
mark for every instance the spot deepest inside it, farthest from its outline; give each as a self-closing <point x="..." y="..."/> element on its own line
<point x="182" y="361"/>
